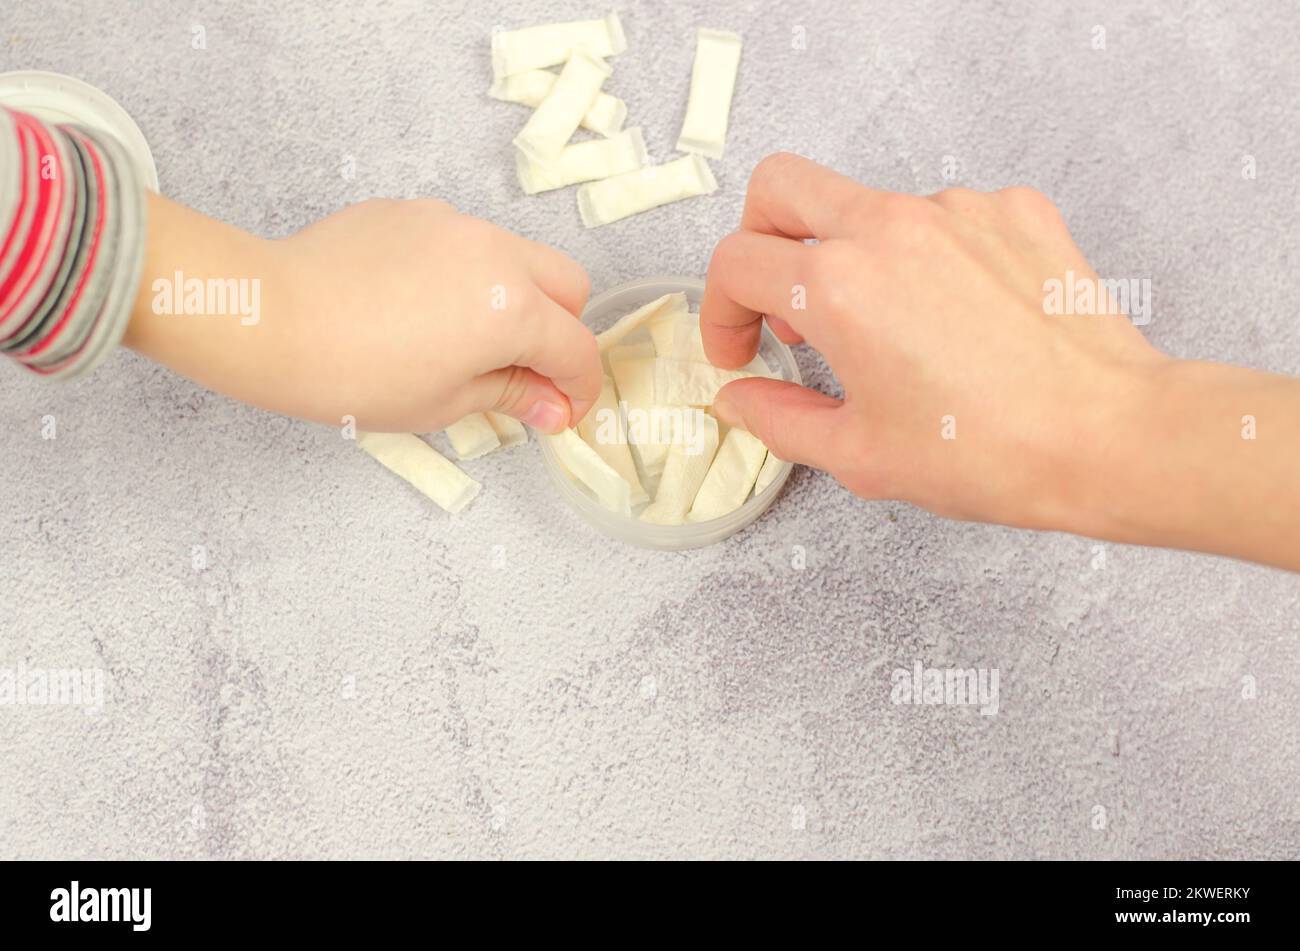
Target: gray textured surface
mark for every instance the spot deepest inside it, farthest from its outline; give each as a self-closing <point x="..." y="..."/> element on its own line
<point x="561" y="694"/>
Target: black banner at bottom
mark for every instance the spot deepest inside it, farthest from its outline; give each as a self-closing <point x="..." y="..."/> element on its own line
<point x="214" y="900"/>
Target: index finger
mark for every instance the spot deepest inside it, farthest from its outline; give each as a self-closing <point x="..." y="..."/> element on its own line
<point x="795" y="197"/>
<point x="790" y="199"/>
<point x="750" y="275"/>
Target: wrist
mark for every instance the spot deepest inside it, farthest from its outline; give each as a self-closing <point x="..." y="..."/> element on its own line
<point x="210" y="302"/>
<point x="1199" y="456"/>
<point x="1114" y="468"/>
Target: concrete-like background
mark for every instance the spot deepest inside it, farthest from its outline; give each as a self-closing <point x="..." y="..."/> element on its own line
<point x="356" y="674"/>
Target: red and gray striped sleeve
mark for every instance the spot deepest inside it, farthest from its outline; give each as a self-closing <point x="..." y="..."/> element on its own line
<point x="72" y="237"/>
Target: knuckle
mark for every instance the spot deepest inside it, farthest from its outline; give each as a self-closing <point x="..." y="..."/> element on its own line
<point x="514" y="387"/>
<point x="958" y="199"/>
<point x="831" y="270"/>
<point x="474" y="231"/>
<point x="1028" y="201"/>
<point x="524" y="304"/>
<point x="895" y="206"/>
<point x="908" y="223"/>
<point x="420" y="212"/>
<point x="511" y="301"/>
<point x="431" y="205"/>
<point x="728" y="253"/>
<point x="771" y="167"/>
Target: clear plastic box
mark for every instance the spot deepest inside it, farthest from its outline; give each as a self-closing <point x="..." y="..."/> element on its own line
<point x="603" y="310"/>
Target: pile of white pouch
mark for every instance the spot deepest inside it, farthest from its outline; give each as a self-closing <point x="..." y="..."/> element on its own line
<point x="649" y="447"/>
<point x="613" y="164"/>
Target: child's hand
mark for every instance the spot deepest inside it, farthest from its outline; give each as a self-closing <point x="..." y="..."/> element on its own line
<point x="403" y="314"/>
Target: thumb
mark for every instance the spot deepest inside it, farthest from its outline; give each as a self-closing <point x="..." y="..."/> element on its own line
<point x="522" y="393"/>
<point x="795" y="423"/>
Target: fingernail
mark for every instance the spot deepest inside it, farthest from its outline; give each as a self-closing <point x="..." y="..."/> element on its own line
<point x="548" y="417"/>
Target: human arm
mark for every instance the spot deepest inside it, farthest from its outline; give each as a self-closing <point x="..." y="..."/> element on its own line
<point x="964" y="396"/>
<point x="404" y="315"/>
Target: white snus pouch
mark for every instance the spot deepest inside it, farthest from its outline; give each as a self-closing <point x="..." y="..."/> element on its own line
<point x="632" y="366"/>
<point x="608" y="200"/>
<point x="583" y="162"/>
<point x="603" y="430"/>
<point x="509" y="430"/>
<point x="423" y="466"/>
<point x="558" y="116"/>
<point x="687" y="465"/>
<point x="536" y="47"/>
<point x="605" y="117"/>
<point x="730" y="478"/>
<point x="664" y="308"/>
<point x="713" y="80"/>
<point x="687" y="383"/>
<point x="687" y="342"/>
<point x="584" y="464"/>
<point x="473" y="436"/>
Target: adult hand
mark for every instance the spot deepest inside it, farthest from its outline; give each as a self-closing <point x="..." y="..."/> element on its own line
<point x="965" y="395"/>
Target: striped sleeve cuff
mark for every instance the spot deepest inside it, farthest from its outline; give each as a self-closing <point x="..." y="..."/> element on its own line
<point x="72" y="237"/>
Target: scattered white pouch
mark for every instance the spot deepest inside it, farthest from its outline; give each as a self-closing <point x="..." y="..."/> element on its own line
<point x="689" y="383"/>
<point x="584" y="463"/>
<point x="683" y="474"/>
<point x="766" y="475"/>
<point x="605" y="117"/>
<point x="713" y="80"/>
<point x="603" y="430"/>
<point x="659" y="308"/>
<point x="583" y="162"/>
<point x="730" y="477"/>
<point x="608" y="200"/>
<point x="473" y="436"/>
<point x="633" y="368"/>
<point x="536" y="47"/>
<point x="424" y="467"/>
<point x="558" y="116"/>
<point x="509" y="430"/>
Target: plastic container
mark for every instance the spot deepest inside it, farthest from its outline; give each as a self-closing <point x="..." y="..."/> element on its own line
<point x="53" y="97"/>
<point x="603" y="310"/>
